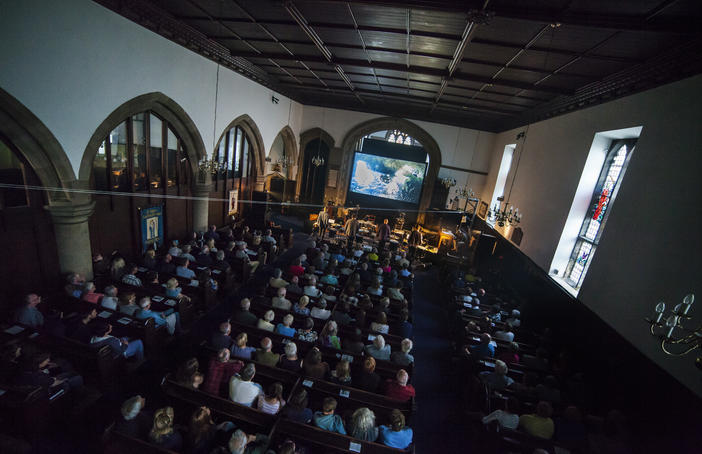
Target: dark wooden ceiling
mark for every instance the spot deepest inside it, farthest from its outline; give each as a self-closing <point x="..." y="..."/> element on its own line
<point x="490" y="65"/>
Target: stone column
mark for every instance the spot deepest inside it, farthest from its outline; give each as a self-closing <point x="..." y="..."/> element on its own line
<point x="201" y="206"/>
<point x="70" y="221"/>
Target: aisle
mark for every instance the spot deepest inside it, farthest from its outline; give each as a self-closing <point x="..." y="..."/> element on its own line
<point x="439" y="423"/>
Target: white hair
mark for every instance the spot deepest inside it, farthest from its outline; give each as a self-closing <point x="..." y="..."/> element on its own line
<point x="379" y="342"/>
<point x="131" y="408"/>
<point x="288" y="319"/>
<point x="501" y="367"/>
<point x="406" y="345"/>
<point x="89" y="286"/>
<point x="237" y="443"/>
<point x="269" y="316"/>
<point x="290" y="349"/>
<point x="144" y="302"/>
<point x="111" y="290"/>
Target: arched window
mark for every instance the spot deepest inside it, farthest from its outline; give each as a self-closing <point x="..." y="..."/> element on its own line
<point x="591" y="229"/>
<point x="237" y="170"/>
<point x="13" y="172"/>
<point x="142" y="154"/>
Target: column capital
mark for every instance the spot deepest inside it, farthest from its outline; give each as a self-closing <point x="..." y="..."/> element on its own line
<point x="67" y="212"/>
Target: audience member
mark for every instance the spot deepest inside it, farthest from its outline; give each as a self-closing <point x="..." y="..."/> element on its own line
<point x="313" y="365"/>
<point x="507" y="418"/>
<point x="300" y="307"/>
<point x="272" y="401"/>
<point x="398" y="388"/>
<point x="290" y="361"/>
<point x="539" y="424"/>
<point x="130" y="276"/>
<point x="221" y="338"/>
<point x="328" y="335"/>
<point x="367" y="379"/>
<point x="28" y="314"/>
<point x="243" y="315"/>
<point x="266" y="321"/>
<point x="124" y="346"/>
<point x="162" y="432"/>
<point x="220" y="370"/>
<point x="306" y="333"/>
<point x="280" y="302"/>
<point x="242" y="389"/>
<point x="171" y="321"/>
<point x="326" y="419"/>
<point x="265" y="354"/>
<point x="396" y="435"/>
<point x="297" y="410"/>
<point x="240" y="349"/>
<point x="134" y="422"/>
<point x="285" y="328"/>
<point x="362" y="425"/>
<point x="378" y="349"/>
<point x="497" y="379"/>
<point x="342" y="373"/>
<point x="320" y="310"/>
<point x="403" y="358"/>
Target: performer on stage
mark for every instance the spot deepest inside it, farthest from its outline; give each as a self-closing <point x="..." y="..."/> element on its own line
<point x="415" y="239"/>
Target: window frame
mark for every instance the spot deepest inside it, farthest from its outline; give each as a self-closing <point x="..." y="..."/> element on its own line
<point x="582" y="238"/>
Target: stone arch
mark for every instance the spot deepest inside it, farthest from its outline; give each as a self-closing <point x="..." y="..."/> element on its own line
<point x="383" y="124"/>
<point x="305" y="138"/>
<point x="249" y="126"/>
<point x="288" y="137"/>
<point x="38" y="146"/>
<point x="163" y="106"/>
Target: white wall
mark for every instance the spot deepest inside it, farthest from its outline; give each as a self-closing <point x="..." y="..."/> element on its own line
<point x="460" y="147"/>
<point x="73" y="62"/>
<point x="650" y="249"/>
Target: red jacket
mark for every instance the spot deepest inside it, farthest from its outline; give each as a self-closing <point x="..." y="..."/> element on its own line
<point x="396" y="391"/>
<point x="219" y="373"/>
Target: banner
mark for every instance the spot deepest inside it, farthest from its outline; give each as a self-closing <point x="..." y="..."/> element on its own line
<point x="151" y="227"/>
<point x="233" y="201"/>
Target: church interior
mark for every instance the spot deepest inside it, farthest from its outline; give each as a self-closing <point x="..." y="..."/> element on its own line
<point x="473" y="200"/>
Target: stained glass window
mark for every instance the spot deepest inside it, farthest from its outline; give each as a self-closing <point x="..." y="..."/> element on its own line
<point x="602" y="198"/>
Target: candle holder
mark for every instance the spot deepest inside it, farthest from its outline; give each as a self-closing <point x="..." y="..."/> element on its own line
<point x="676" y="338"/>
<point x="503" y="216"/>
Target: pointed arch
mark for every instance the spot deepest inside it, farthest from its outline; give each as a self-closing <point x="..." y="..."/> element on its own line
<point x="384" y="124"/>
<point x="288" y="137"/>
<point x="249" y="126"/>
<point x="305" y="138"/>
<point x="160" y="104"/>
<point x="38" y="146"/>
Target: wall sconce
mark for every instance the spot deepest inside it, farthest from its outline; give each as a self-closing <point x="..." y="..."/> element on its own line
<point x="676" y="339"/>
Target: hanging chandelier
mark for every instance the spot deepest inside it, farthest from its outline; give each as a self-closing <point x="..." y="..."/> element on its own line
<point x="502" y="216"/>
<point x="318" y="161"/>
<point x="209" y="166"/>
<point x="465" y="192"/>
<point x="448" y="182"/>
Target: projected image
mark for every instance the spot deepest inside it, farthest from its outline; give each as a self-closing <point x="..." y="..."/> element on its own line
<point x="389" y="178"/>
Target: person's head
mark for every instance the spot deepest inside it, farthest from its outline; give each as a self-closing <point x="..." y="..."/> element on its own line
<point x="295" y="280"/>
<point x="406" y="345"/>
<point x="223" y="355"/>
<point x="397" y="420"/>
<point x="514" y="347"/>
<point x="501" y="368"/>
<point x="328" y="405"/>
<point x="186" y="249"/>
<point x="321" y="303"/>
<point x="288" y="319"/>
<point x="237" y="442"/>
<point x="275" y="391"/>
<point x="309" y="324"/>
<point x="281" y="292"/>
<point x="172" y="283"/>
<point x="330" y="328"/>
<point x="163" y="423"/>
<point x="245" y="304"/>
<point x="290" y="350"/>
<point x="200" y="422"/>
<point x="382" y="319"/>
<point x="248" y="372"/>
<point x="145" y="303"/>
<point x="343" y="369"/>
<point x="544" y="409"/>
<point x="241" y="340"/>
<point x="277" y="273"/>
<point x="32" y="300"/>
<point x="132" y="268"/>
<point x="485" y="338"/>
<point x="225" y="328"/>
<point x="314" y="357"/>
<point x="385" y="221"/>
<point x="220" y="255"/>
<point x="379" y="342"/>
<point x="303" y="301"/>
<point x="131" y="407"/>
<point x="210" y="243"/>
<point x="404" y="315"/>
<point x="269" y="316"/>
<point x="369" y="365"/>
<point x="152" y="277"/>
<point x="111" y="290"/>
<point x="168" y="258"/>
<point x="187" y="370"/>
<point x="299" y="400"/>
<point x="101" y="329"/>
<point x="363" y="419"/>
<point x="402" y="377"/>
<point x="89" y="287"/>
<point x="266" y="344"/>
<point x="128" y="298"/>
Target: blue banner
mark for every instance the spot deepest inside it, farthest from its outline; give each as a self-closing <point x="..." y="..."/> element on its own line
<point x="151" y="227"/>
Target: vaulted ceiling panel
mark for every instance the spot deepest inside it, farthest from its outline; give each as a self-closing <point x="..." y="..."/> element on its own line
<point x="544" y="59"/>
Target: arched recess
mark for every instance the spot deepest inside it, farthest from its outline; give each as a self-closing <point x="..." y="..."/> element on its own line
<point x="290" y="149"/>
<point x="38" y="146"/>
<point x="384" y="124"/>
<point x="305" y="138"/>
<point x="160" y="104"/>
<point x="157" y="147"/>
